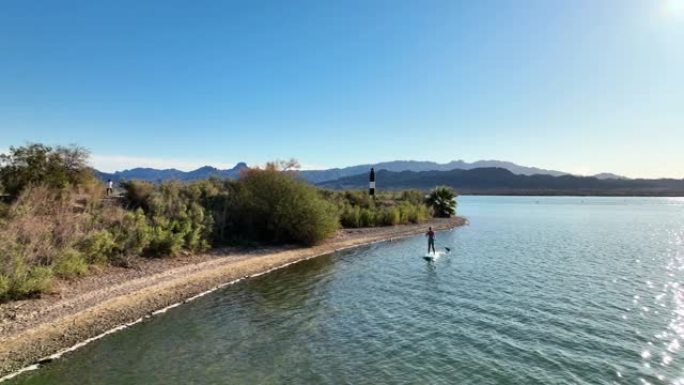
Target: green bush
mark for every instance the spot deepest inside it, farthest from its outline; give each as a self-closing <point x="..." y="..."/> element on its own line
<point x="38" y="279"/>
<point x="4" y="287"/>
<point x="57" y="167"/>
<point x="177" y="220"/>
<point x="351" y="217"/>
<point x="389" y="216"/>
<point x="98" y="247"/>
<point x="276" y="207"/>
<point x="137" y="194"/>
<point x="222" y="202"/>
<point x="19" y="280"/>
<point x="415" y="197"/>
<point x="357" y="209"/>
<point x="70" y="264"/>
<point x="367" y="217"/>
<point x="131" y="233"/>
<point x="167" y="237"/>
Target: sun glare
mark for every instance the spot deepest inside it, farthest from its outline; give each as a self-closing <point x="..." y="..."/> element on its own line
<point x="673" y="8"/>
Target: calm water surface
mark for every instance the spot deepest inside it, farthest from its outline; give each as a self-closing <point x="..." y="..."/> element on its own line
<point x="535" y="291"/>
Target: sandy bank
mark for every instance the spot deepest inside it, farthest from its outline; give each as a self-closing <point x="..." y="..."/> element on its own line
<point x="31" y="330"/>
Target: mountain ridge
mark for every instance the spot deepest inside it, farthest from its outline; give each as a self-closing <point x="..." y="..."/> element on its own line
<point x="160" y="175"/>
<point x="500" y="181"/>
<point x="320" y="176"/>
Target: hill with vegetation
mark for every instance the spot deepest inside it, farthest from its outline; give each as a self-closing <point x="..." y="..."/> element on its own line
<point x="58" y="222"/>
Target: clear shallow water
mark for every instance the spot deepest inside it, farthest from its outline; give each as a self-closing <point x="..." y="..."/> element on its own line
<point x="535" y="291"/>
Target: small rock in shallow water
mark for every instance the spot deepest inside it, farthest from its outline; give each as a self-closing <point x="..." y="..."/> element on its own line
<point x="45" y="360"/>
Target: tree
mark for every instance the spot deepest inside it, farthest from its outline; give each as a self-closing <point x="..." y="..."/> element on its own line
<point x="443" y="202"/>
<point x="36" y="163"/>
<point x="276" y="206"/>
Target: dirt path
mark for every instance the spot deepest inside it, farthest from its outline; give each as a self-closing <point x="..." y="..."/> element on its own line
<point x="31" y="330"/>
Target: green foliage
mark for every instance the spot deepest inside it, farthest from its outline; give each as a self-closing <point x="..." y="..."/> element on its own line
<point x="131" y="235"/>
<point x="414" y="197"/>
<point x="269" y="205"/>
<point x="70" y="264"/>
<point x="98" y="247"/>
<point x="357" y="209"/>
<point x="4" y="210"/>
<point x="33" y="164"/>
<point x="5" y="284"/>
<point x="137" y="194"/>
<point x="276" y="207"/>
<point x="221" y="199"/>
<point x="443" y="201"/>
<point x="177" y="220"/>
<point x="56" y="223"/>
<point x="37" y="279"/>
<point x="19" y="280"/>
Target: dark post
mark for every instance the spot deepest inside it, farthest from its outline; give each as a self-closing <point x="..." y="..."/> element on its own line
<point x="371" y="184"/>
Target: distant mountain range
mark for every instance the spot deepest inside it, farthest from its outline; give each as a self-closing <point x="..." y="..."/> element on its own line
<point x="155" y="175"/>
<point x="481" y="177"/>
<point x="320" y="176"/>
<point x="500" y="181"/>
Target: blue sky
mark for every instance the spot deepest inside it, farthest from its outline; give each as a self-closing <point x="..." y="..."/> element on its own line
<point x="582" y="86"/>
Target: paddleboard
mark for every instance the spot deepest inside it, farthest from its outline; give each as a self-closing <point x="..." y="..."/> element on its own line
<point x="432" y="257"/>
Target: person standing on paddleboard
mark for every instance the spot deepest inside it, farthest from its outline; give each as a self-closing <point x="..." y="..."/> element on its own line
<point x="431" y="240"/>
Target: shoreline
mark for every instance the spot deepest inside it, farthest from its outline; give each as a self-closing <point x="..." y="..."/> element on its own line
<point x="36" y="331"/>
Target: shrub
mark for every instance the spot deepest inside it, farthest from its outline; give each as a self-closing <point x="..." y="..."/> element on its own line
<point x="351" y="217"/>
<point x="131" y="234"/>
<point x="357" y="209"/>
<point x="98" y="246"/>
<point x="443" y="202"/>
<point x="59" y="232"/>
<point x="277" y="207"/>
<point x="222" y="202"/>
<point x="390" y="216"/>
<point x="366" y="217"/>
<point x="167" y="238"/>
<point x="177" y="219"/>
<point x="4" y="287"/>
<point x="19" y="280"/>
<point x="70" y="264"/>
<point x="57" y="167"/>
<point x="415" y="197"/>
<point x="37" y="279"/>
<point x="137" y="194"/>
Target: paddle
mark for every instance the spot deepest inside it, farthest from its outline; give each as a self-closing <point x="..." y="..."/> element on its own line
<point x="446" y="248"/>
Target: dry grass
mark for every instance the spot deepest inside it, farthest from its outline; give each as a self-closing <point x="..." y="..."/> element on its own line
<point x="42" y="234"/>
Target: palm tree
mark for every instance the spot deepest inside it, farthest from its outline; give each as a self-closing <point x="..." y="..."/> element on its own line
<point x="443" y="202"/>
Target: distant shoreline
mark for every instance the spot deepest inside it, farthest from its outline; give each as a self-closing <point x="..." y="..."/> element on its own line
<point x="568" y="194"/>
<point x="40" y="330"/>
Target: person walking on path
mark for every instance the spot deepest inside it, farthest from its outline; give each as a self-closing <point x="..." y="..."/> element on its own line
<point x="110" y="187"/>
<point x="431" y="240"/>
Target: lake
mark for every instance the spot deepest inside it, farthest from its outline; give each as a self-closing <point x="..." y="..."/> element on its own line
<point x="535" y="290"/>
